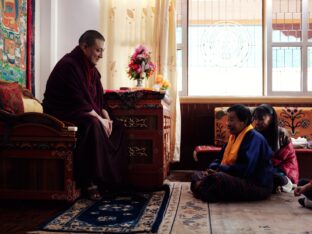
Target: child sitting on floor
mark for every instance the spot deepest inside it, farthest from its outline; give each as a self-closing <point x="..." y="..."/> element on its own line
<point x="305" y="188"/>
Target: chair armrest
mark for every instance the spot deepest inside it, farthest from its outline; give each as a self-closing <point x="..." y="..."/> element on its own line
<point x="32" y="117"/>
<point x="37" y="118"/>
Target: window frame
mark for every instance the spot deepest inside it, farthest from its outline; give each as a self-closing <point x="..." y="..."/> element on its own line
<point x="267" y="46"/>
<point x="304" y="44"/>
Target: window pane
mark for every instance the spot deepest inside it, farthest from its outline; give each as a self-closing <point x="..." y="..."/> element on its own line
<point x="179" y="69"/>
<point x="225" y="47"/>
<point x="286" y="20"/>
<point x="179" y="22"/>
<point x="178" y="35"/>
<point x="310" y="21"/>
<point x="310" y="69"/>
<point x="286" y="68"/>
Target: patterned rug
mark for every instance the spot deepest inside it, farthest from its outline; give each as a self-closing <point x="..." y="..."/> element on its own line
<point x="281" y="213"/>
<point x="122" y="212"/>
<point x="184" y="213"/>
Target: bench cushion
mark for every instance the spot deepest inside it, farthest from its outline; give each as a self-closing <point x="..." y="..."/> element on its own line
<point x="297" y="120"/>
<point x="11" y="98"/>
<point x="15" y="99"/>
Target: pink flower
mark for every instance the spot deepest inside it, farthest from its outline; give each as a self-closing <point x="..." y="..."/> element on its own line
<point x="140" y="63"/>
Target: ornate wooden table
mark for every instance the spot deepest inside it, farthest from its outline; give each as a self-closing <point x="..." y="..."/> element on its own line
<point x="146" y="116"/>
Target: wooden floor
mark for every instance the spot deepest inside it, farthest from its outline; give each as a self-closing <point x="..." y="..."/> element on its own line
<point x="279" y="214"/>
<point x="22" y="216"/>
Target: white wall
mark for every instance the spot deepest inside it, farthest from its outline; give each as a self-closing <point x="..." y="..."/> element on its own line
<point x="58" y="26"/>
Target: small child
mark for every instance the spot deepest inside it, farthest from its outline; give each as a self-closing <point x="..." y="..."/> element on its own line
<point x="305" y="188"/>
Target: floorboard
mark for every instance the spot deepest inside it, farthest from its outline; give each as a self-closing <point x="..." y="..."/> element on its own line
<point x="17" y="216"/>
<point x="279" y="214"/>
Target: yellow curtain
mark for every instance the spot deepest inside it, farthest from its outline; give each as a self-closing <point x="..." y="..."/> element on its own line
<point x="165" y="49"/>
<point x="125" y="25"/>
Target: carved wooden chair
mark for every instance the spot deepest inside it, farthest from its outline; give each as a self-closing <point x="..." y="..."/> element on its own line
<point x="36" y="154"/>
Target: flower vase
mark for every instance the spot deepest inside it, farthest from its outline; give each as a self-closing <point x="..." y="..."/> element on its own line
<point x="140" y="79"/>
<point x="165" y="91"/>
<point x="139" y="83"/>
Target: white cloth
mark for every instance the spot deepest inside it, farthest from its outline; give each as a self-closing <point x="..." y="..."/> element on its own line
<point x="307" y="202"/>
<point x="300" y="142"/>
<point x="288" y="187"/>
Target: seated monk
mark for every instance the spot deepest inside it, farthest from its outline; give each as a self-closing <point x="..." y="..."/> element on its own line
<point x="74" y="93"/>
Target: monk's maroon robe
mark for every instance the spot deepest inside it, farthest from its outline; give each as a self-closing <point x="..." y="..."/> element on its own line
<point x="74" y="89"/>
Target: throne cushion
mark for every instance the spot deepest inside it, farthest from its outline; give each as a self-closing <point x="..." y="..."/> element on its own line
<point x="11" y="98"/>
<point x="15" y="99"/>
<point x="31" y="105"/>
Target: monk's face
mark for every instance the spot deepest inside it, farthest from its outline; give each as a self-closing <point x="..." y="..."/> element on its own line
<point x="95" y="52"/>
<point x="234" y="125"/>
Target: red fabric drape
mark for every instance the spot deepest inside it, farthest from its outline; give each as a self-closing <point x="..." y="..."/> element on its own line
<point x="28" y="44"/>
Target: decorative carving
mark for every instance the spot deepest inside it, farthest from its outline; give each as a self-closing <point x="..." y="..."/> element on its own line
<point x="131" y="100"/>
<point x="69" y="161"/>
<point x="137" y="106"/>
<point x="167" y="147"/>
<point x="33" y="145"/>
<point x="136" y="151"/>
<point x="65" y="154"/>
<point x="167" y="122"/>
<point x="114" y="106"/>
<point x="151" y="106"/>
<point x="71" y="193"/>
<point x="57" y="196"/>
<point x="133" y="122"/>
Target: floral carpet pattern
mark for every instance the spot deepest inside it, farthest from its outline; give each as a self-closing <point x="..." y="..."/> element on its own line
<point x="184" y="213"/>
<point x="122" y="212"/>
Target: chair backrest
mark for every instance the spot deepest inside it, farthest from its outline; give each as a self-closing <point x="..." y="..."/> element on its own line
<point x="297" y="120"/>
<point x="17" y="100"/>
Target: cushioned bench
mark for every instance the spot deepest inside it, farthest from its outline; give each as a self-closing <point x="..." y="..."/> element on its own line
<point x="297" y="120"/>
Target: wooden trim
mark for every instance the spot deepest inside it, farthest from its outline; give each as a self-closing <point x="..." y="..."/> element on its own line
<point x="225" y="100"/>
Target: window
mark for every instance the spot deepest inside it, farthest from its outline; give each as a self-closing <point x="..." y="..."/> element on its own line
<point x="227" y="48"/>
<point x="289" y="46"/>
